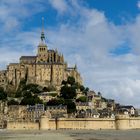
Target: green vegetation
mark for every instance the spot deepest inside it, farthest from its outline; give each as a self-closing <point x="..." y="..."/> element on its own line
<point x="29" y="94"/>
<point x="86" y="91"/>
<point x="33" y="88"/>
<point x="13" y="102"/>
<point x="68" y="92"/>
<point x="71" y="80"/>
<point x="3" y="95"/>
<point x="53" y="94"/>
<point x="71" y="107"/>
<point x="49" y="88"/>
<point x="81" y="99"/>
<point x="82" y="88"/>
<point x="55" y="102"/>
<point x="30" y="99"/>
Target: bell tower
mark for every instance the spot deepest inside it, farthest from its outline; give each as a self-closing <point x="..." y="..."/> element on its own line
<point x="42" y="54"/>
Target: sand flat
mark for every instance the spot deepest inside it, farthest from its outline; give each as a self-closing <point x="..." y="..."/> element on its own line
<point x="71" y="135"/>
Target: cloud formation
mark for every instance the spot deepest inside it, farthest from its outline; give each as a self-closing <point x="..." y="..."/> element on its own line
<point x="91" y="43"/>
<point x="88" y="39"/>
<point x="138" y="4"/>
<point x="59" y="5"/>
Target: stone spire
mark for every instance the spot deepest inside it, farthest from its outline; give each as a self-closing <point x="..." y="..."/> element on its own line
<point x="42" y="32"/>
<point x="75" y="67"/>
<point x="62" y="58"/>
<point x="42" y="47"/>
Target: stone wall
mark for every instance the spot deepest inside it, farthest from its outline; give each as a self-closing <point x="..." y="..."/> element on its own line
<point x="121" y="123"/>
<point x="77" y="123"/>
<point x="85" y="123"/>
<point x="125" y="122"/>
<point x="22" y="126"/>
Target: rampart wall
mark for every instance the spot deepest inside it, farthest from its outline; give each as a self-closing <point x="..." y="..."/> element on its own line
<point x="22" y="126"/>
<point x="82" y="123"/>
<point x="120" y="122"/>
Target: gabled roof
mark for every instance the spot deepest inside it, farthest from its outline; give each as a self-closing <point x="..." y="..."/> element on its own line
<point x="126" y="107"/>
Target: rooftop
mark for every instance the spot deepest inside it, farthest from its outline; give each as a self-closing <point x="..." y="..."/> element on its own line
<point x="27" y="57"/>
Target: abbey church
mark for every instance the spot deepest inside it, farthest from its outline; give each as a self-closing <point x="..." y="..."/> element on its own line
<point x="48" y="67"/>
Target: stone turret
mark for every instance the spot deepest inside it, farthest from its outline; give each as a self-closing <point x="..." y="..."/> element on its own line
<point x="44" y="121"/>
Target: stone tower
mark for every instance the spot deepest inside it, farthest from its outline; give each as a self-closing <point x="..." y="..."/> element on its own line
<point x="42" y="55"/>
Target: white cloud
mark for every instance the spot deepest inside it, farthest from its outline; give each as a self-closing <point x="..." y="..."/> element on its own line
<point x="134" y="34"/>
<point x="59" y="5"/>
<point x="13" y="12"/>
<point x="89" y="45"/>
<point x="138" y="4"/>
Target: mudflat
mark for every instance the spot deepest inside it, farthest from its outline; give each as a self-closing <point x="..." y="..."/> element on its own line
<point x="71" y="135"/>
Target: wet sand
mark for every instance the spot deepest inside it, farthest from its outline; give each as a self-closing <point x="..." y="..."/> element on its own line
<point x="71" y="135"/>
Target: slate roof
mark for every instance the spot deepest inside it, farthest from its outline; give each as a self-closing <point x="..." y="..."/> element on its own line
<point x="28" y="57"/>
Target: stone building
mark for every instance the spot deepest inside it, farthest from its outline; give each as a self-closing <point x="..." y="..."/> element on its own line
<point x="16" y="113"/>
<point x="29" y="113"/>
<point x="57" y="111"/>
<point x="33" y="113"/>
<point x="48" y="67"/>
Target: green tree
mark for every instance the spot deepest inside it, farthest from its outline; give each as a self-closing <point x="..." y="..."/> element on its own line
<point x="64" y="82"/>
<point x="71" y="80"/>
<point x="13" y="102"/>
<point x="86" y="91"/>
<point x="34" y="88"/>
<point x="18" y="94"/>
<point x="99" y="94"/>
<point x="23" y="88"/>
<point x="71" y="107"/>
<point x="55" y="102"/>
<point x="68" y="92"/>
<point x="49" y="88"/>
<point x="30" y="99"/>
<point x="81" y="99"/>
<point x="3" y="95"/>
<point x="82" y="88"/>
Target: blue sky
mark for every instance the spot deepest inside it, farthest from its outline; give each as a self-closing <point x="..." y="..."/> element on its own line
<point x="101" y="36"/>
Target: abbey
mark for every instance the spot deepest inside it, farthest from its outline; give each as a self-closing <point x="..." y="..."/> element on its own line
<point x="48" y="67"/>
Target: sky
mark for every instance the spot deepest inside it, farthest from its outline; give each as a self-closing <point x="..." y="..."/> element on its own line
<point x="101" y="36"/>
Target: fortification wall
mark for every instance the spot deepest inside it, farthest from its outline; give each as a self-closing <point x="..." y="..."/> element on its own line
<point x="82" y="123"/>
<point x="124" y="122"/>
<point x="121" y="123"/>
<point x="22" y="126"/>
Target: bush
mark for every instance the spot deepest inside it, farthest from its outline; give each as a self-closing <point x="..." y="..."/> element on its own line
<point x="13" y="102"/>
<point x="3" y="95"/>
<point x="30" y="99"/>
<point x="81" y="99"/>
<point x="55" y="102"/>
